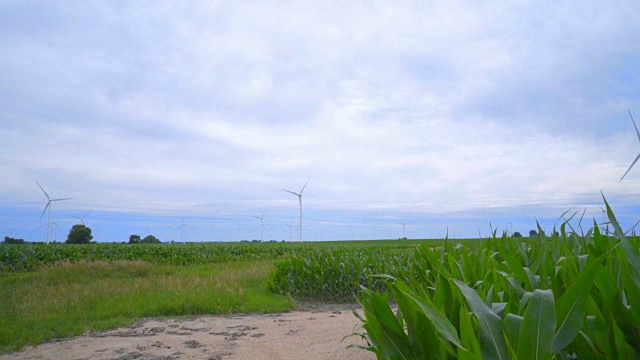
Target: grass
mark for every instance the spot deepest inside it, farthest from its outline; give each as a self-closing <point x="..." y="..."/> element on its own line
<point x="70" y="299"/>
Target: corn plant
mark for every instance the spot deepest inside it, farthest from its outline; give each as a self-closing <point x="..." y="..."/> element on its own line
<point x="568" y="296"/>
<point x="334" y="274"/>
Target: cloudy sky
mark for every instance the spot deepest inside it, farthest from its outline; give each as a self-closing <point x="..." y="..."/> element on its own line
<point x="439" y="115"/>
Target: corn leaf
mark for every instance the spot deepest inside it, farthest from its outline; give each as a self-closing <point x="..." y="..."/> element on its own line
<point x="571" y="309"/>
<point x="492" y="339"/>
<point x="538" y="327"/>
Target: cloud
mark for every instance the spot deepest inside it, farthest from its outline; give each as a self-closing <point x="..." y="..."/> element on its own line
<point x="410" y="108"/>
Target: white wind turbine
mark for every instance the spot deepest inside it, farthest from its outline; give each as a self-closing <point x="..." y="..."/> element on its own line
<point x="82" y="217"/>
<point x="290" y="227"/>
<point x="300" y="199"/>
<point x="181" y="227"/>
<point x="40" y="228"/>
<point x="261" y="223"/>
<point x="48" y="206"/>
<point x="55" y="231"/>
<point x="637" y="157"/>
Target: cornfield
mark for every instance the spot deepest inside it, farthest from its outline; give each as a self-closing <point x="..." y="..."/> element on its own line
<point x="570" y="296"/>
<point x="335" y="274"/>
<point x="32" y="256"/>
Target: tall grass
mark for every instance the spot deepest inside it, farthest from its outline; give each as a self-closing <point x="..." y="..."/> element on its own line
<point x="570" y="296"/>
<point x="69" y="299"/>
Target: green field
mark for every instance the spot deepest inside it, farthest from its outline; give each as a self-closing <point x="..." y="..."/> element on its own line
<point x="60" y="290"/>
<point x="575" y="294"/>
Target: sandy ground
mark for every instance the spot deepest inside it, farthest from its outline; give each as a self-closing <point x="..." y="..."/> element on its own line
<point x="315" y="333"/>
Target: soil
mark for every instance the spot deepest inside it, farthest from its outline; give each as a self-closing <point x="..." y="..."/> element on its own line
<point x="313" y="333"/>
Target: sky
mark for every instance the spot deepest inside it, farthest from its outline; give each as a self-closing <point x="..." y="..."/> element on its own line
<point x="186" y="119"/>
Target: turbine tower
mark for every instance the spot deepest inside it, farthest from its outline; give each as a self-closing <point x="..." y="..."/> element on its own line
<point x="404" y="230"/>
<point x="48" y="206"/>
<point x="261" y="223"/>
<point x="299" y="195"/>
<point x="637" y="157"/>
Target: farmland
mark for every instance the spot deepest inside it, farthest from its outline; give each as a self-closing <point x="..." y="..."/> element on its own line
<point x="467" y="299"/>
<point x="60" y="290"/>
<point x="17" y="258"/>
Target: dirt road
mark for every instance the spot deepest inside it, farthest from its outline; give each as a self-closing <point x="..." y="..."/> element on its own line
<point x="310" y="334"/>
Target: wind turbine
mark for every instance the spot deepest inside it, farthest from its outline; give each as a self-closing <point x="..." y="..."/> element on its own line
<point x="82" y="217"/>
<point x="637" y="157"/>
<point x="300" y="199"/>
<point x="38" y="228"/>
<point x="181" y="227"/>
<point x="48" y="206"/>
<point x="404" y="230"/>
<point x="261" y="223"/>
<point x="55" y="231"/>
<point x="289" y="225"/>
<point x="170" y="233"/>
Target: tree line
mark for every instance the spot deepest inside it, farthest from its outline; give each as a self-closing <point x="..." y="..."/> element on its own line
<point x="81" y="234"/>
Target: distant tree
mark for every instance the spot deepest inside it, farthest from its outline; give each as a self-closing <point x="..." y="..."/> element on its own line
<point x="79" y="234"/>
<point x="134" y="239"/>
<point x="10" y="240"/>
<point x="517" y="234"/>
<point x="150" y="239"/>
<point x="533" y="233"/>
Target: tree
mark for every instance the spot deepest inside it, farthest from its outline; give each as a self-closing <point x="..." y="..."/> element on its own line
<point x="79" y="234"/>
<point x="10" y="240"/>
<point x="533" y="233"/>
<point x="517" y="234"/>
<point x="150" y="239"/>
<point x="134" y="239"/>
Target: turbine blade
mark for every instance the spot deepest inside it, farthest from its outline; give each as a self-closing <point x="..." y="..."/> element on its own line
<point x="264" y="212"/>
<point x="291" y="192"/>
<point x="61" y="199"/>
<point x="633" y="163"/>
<point x="45" y="209"/>
<point x="305" y="185"/>
<point x="634" y="125"/>
<point x="45" y="193"/>
<point x="85" y="215"/>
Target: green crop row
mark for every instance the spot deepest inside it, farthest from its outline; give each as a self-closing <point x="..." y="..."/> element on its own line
<point x="33" y="256"/>
<point x="27" y="257"/>
<point x="568" y="296"/>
